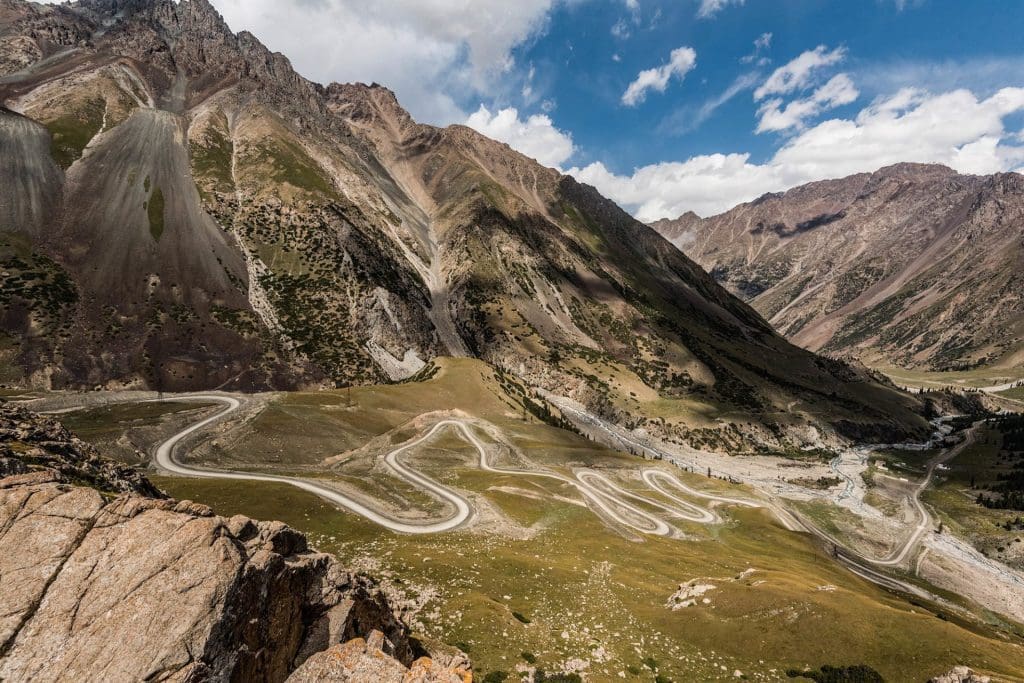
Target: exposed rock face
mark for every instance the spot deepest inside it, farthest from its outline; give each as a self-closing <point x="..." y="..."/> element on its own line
<point x="367" y="660"/>
<point x="204" y="217"/>
<point x="31" y="443"/>
<point x="960" y="674"/>
<point x="144" y="589"/>
<point x="914" y="265"/>
<point x="31" y="32"/>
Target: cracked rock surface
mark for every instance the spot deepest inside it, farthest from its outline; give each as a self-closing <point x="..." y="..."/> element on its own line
<point x="139" y="588"/>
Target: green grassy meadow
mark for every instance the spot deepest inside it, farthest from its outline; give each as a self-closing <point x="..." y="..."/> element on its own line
<point x="542" y="582"/>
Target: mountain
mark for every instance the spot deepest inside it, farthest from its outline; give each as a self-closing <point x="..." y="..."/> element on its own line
<point x="914" y="265"/>
<point x="182" y="210"/>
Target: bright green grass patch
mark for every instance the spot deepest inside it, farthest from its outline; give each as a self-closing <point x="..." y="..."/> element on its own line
<point x="289" y="163"/>
<point x="559" y="584"/>
<point x="577" y="589"/>
<point x="109" y="421"/>
<point x="979" y="463"/>
<point x="545" y="581"/>
<point x="211" y="159"/>
<point x="71" y="133"/>
<point x="979" y="377"/>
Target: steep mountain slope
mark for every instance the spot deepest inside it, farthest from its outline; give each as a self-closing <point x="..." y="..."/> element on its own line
<point x="914" y="265"/>
<point x="186" y="211"/>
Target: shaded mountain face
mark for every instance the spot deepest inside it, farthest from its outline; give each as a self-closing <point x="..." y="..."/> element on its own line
<point x="915" y="265"/>
<point x="182" y="210"/>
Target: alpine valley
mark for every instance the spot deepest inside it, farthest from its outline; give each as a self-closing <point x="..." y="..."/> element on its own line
<point x="507" y="431"/>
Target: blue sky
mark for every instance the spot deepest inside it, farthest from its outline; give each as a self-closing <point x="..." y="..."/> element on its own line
<point x="582" y="78"/>
<point x="674" y="105"/>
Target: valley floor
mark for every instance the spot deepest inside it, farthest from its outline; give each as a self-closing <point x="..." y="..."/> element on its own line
<point x="547" y="551"/>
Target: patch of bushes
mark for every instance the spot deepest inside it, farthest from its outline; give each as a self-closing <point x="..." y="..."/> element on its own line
<point x="542" y="677"/>
<point x="859" y="673"/>
<point x="70" y="134"/>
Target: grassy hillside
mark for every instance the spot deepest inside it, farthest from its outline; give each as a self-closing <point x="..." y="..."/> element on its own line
<point x="542" y="582"/>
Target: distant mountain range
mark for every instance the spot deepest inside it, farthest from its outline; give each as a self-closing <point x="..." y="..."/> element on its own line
<point x="180" y="209"/>
<point x="914" y="265"/>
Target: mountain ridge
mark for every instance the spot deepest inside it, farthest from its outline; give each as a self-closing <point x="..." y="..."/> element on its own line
<point x="258" y="230"/>
<point x="914" y="265"/>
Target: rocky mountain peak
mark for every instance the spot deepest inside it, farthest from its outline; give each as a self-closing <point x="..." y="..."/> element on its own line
<point x="1006" y="183"/>
<point x="916" y="171"/>
<point x="173" y="15"/>
<point x="371" y="103"/>
<point x="879" y="263"/>
<point x="679" y="231"/>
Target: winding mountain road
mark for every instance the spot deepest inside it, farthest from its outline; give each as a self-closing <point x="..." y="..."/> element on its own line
<point x="924" y="519"/>
<point x="899" y="554"/>
<point x="603" y="496"/>
<point x="165" y="459"/>
<point x="599" y="491"/>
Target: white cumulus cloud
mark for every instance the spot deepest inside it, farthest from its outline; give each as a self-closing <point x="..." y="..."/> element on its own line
<point x="681" y="62"/>
<point x="432" y="53"/>
<point x="798" y="73"/>
<point x="955" y="128"/>
<point x="709" y="8"/>
<point x="536" y="136"/>
<point x="839" y="91"/>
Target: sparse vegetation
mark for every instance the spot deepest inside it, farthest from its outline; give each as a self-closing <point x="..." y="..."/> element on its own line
<point x="1004" y="483"/>
<point x="282" y="160"/>
<point x="155" y="209"/>
<point x="211" y="159"/>
<point x="839" y="674"/>
<point x="819" y="483"/>
<point x="73" y="130"/>
<point x="617" y="586"/>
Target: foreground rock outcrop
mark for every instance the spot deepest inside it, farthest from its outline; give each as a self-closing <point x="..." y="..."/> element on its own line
<point x="99" y="586"/>
<point x="961" y="674"/>
<point x="33" y="443"/>
<point x="147" y="589"/>
<point x="367" y="660"/>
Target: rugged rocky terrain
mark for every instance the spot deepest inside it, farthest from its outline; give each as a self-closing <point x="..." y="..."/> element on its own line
<point x="140" y="588"/>
<point x="914" y="265"/>
<point x="252" y="229"/>
<point x="31" y="443"/>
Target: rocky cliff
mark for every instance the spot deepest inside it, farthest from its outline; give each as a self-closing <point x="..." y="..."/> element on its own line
<point x="31" y="443"/>
<point x="914" y="265"/>
<point x="136" y="588"/>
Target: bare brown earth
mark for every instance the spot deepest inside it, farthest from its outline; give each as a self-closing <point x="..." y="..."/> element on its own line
<point x="186" y="212"/>
<point x="914" y="265"/>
